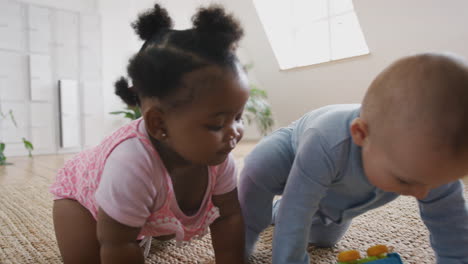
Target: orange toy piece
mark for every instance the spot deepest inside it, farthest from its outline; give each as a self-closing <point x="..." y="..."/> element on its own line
<point x="349" y="255"/>
<point x="377" y="250"/>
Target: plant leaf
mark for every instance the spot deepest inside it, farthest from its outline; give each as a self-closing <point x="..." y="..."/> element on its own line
<point x="13" y="118"/>
<point x="132" y="113"/>
<point x="2" y="154"/>
<point x="248" y="66"/>
<point x="29" y="146"/>
<point x="118" y="112"/>
<point x="130" y="116"/>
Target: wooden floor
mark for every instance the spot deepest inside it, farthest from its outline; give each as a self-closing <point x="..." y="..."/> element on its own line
<point x="24" y="169"/>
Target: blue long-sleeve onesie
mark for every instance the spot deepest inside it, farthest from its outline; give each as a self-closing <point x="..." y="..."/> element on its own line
<point x="318" y="169"/>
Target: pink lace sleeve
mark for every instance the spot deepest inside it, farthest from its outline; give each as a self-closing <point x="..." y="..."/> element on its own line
<point x="127" y="190"/>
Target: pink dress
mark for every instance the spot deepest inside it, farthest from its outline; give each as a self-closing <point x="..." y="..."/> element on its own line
<point x="103" y="177"/>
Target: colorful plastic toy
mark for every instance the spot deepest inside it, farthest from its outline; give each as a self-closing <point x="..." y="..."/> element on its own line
<point x="378" y="254"/>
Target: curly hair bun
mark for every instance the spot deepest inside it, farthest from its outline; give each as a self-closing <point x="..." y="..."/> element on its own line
<point x="125" y="93"/>
<point x="223" y="28"/>
<point x="152" y="22"/>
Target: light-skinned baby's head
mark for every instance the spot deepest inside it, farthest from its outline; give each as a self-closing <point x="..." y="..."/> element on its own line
<point x="413" y="124"/>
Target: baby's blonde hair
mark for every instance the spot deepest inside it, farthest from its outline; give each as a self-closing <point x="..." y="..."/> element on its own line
<point x="426" y="94"/>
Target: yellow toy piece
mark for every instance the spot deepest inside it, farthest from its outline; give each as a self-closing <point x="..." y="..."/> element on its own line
<point x="349" y="255"/>
<point x="376" y="254"/>
<point x="377" y="250"/>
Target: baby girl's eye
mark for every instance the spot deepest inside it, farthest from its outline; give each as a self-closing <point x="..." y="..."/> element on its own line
<point x="214" y="128"/>
<point x="402" y="181"/>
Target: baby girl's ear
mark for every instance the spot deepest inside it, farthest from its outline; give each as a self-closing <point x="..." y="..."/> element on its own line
<point x="154" y="120"/>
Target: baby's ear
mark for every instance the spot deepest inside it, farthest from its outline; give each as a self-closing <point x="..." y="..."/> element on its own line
<point x="359" y="131"/>
<point x="154" y="121"/>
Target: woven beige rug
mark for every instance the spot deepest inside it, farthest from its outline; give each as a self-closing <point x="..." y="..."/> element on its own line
<point x="26" y="232"/>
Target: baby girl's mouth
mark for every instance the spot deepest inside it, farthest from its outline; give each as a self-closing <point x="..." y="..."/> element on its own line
<point x="232" y="143"/>
<point x="226" y="151"/>
<point x="230" y="147"/>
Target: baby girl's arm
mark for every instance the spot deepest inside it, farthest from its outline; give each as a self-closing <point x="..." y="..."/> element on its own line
<point x="118" y="241"/>
<point x="227" y="232"/>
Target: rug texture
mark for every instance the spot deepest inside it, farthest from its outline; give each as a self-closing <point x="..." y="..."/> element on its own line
<point x="27" y="236"/>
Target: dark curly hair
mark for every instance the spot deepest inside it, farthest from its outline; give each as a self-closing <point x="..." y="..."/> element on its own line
<point x="167" y="54"/>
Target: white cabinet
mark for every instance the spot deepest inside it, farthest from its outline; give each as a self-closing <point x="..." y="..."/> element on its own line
<point x="40" y="46"/>
<point x="41" y="84"/>
<point x="39" y="29"/>
<point x="90" y="69"/>
<point x="70" y="120"/>
<point x="12" y="24"/>
<point x="43" y="132"/>
<point x="92" y="113"/>
<point x="13" y="76"/>
<point x="90" y="48"/>
<point x="66" y="57"/>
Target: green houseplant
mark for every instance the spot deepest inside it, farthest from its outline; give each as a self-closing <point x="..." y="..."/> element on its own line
<point x="129" y="112"/>
<point x="258" y="111"/>
<point x="27" y="144"/>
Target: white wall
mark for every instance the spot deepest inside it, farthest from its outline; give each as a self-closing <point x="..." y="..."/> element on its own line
<point x="117" y="39"/>
<point x="392" y="29"/>
<point x="70" y="5"/>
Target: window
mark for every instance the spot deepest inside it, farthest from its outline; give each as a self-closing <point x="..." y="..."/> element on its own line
<point x="306" y="32"/>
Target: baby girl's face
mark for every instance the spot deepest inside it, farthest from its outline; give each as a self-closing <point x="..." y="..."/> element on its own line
<point x="207" y="130"/>
<point x="410" y="166"/>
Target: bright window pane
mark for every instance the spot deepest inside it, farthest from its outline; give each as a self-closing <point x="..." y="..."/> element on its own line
<point x="282" y="45"/>
<point x="306" y="32"/>
<point x="306" y="11"/>
<point x="277" y="30"/>
<point x="312" y="44"/>
<point x="347" y="39"/>
<point x="338" y="7"/>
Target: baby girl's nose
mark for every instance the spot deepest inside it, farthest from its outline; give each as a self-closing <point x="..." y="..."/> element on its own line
<point x="234" y="133"/>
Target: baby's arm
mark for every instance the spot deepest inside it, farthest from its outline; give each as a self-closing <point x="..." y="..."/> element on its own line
<point x="308" y="181"/>
<point x="118" y="241"/>
<point x="125" y="196"/>
<point x="445" y="213"/>
<point x="227" y="232"/>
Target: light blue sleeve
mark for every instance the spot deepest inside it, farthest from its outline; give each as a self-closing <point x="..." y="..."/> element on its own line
<point x="445" y="213"/>
<point x="308" y="181"/>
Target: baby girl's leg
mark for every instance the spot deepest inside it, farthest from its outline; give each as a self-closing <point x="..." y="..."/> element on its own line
<point x="75" y="229"/>
<point x="264" y="175"/>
